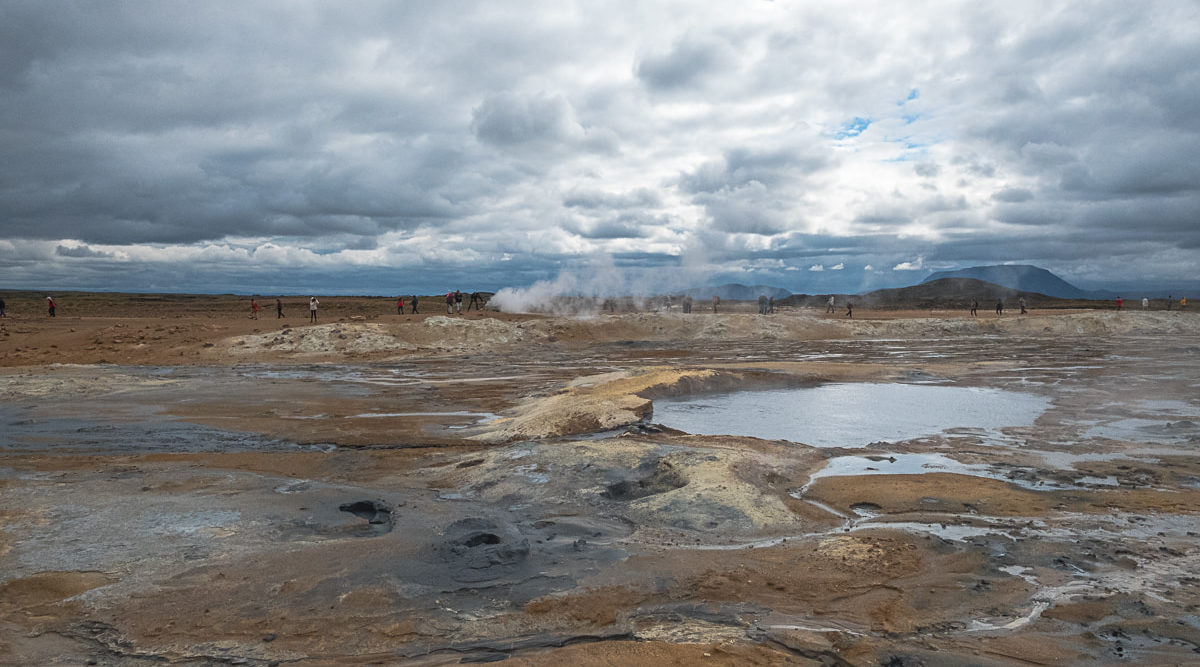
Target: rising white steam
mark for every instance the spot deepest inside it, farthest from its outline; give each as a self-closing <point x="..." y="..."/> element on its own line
<point x="593" y="287"/>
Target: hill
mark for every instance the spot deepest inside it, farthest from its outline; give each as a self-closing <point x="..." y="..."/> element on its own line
<point x="950" y="293"/>
<point x="941" y="293"/>
<point x="1021" y="277"/>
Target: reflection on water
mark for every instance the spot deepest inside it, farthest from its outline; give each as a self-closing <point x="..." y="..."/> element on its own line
<point x="850" y="414"/>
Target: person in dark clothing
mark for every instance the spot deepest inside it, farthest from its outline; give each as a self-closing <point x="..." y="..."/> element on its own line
<point x="849" y="310"/>
<point x="477" y="301"/>
<point x="2" y="313"/>
<point x="458" y="301"/>
<point x="975" y="308"/>
<point x="51" y="306"/>
<point x="1000" y="307"/>
<point x="278" y="309"/>
<point x="414" y="304"/>
<point x="1021" y="303"/>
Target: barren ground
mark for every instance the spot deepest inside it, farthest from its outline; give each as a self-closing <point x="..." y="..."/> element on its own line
<point x="181" y="483"/>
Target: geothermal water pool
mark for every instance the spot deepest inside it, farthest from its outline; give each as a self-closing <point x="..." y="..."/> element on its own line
<point x="850" y="414"/>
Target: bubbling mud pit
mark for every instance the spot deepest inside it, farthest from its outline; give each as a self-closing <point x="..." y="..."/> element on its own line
<point x="536" y="504"/>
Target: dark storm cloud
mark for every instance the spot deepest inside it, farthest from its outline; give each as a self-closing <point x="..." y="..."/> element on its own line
<point x="80" y="251"/>
<point x="688" y="62"/>
<point x="248" y="140"/>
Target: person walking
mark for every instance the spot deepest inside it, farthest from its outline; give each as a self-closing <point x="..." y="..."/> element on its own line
<point x="999" y="307"/>
<point x="762" y="304"/>
<point x="687" y="303"/>
<point x="312" y="309"/>
<point x="716" y="302"/>
<point x="458" y="301"/>
<point x="254" y="309"/>
<point x="1183" y="303"/>
<point x="449" y="303"/>
<point x="1021" y="303"/>
<point x="849" y="310"/>
<point x="50" y="305"/>
<point x="399" y="305"/>
<point x="1145" y="303"/>
<point x="2" y="313"/>
<point x="1120" y="302"/>
<point x="414" y="304"/>
<point x="278" y="308"/>
<point x="975" y="308"/>
<point x="829" y="305"/>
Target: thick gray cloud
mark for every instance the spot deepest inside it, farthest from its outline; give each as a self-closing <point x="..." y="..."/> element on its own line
<point x="313" y="146"/>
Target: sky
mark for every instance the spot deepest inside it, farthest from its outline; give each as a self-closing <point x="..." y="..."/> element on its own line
<point x="644" y="146"/>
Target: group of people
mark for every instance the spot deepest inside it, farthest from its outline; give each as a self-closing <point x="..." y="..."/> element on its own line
<point x="312" y="308"/>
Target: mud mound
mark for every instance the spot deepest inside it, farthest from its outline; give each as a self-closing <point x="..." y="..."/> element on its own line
<point x="664" y="478"/>
<point x="377" y="513"/>
<point x="479" y="549"/>
<point x="320" y="339"/>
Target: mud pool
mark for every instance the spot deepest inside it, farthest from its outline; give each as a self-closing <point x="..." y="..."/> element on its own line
<point x="850" y="414"/>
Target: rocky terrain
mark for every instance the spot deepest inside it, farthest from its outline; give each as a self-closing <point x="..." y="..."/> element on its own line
<point x="183" y="484"/>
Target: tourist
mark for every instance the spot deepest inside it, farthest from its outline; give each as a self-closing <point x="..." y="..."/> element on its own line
<point x="687" y="303"/>
<point x="1183" y="303"/>
<point x="999" y="307"/>
<point x="771" y="305"/>
<point x="829" y="305"/>
<point x="975" y="308"/>
<point x="1145" y="303"/>
<point x="716" y="302"/>
<point x="2" y="313"/>
<point x="414" y="304"/>
<point x="50" y="305"/>
<point x="762" y="304"/>
<point x="1120" y="302"/>
<point x="849" y="310"/>
<point x="449" y="303"/>
<point x="312" y="308"/>
<point x="399" y="305"/>
<point x="1169" y="298"/>
<point x="278" y="308"/>
<point x="458" y="301"/>
<point x="254" y="309"/>
<point x="477" y="301"/>
<point x="1021" y="303"/>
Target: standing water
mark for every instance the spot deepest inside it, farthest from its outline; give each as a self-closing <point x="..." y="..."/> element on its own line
<point x="851" y="414"/>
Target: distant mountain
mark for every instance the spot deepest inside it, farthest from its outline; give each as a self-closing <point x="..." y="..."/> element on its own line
<point x="947" y="293"/>
<point x="1020" y="277"/>
<point x="736" y="292"/>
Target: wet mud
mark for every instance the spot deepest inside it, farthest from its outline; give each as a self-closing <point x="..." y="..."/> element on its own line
<point x="525" y="506"/>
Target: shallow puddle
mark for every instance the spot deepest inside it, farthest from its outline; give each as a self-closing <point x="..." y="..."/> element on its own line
<point x="850" y="414"/>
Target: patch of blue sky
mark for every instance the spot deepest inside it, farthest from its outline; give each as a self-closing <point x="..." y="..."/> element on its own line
<point x="853" y="128"/>
<point x="912" y="95"/>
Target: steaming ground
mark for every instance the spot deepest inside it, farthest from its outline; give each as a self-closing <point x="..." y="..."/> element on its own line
<point x="184" y="485"/>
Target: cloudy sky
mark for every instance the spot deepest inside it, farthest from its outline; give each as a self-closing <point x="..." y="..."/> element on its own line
<point x="379" y="147"/>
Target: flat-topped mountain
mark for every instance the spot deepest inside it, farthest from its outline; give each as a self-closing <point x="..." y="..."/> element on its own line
<point x="1020" y="277"/>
